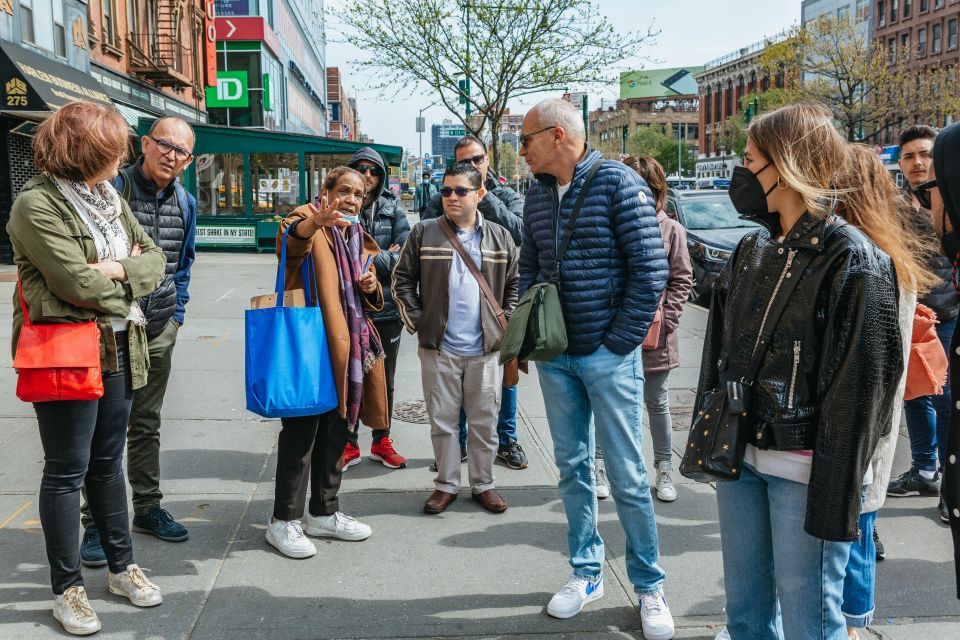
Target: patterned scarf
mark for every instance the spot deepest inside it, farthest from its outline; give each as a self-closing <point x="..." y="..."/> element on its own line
<point x="99" y="208"/>
<point x="365" y="346"/>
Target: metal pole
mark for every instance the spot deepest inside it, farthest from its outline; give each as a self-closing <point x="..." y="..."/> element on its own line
<point x="679" y="151"/>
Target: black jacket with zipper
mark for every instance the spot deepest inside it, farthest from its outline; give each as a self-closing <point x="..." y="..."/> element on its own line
<point x="829" y="375"/>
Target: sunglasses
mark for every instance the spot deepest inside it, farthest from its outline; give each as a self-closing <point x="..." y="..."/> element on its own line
<point x="922" y="192"/>
<point x="524" y="140"/>
<point x="369" y="169"/>
<point x="461" y="192"/>
<point x="166" y="148"/>
<point x="475" y="159"/>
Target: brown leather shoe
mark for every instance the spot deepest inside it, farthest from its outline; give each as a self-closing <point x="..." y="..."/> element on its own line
<point x="438" y="502"/>
<point x="491" y="501"/>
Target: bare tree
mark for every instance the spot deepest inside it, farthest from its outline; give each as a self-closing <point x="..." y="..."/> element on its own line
<point x="502" y="49"/>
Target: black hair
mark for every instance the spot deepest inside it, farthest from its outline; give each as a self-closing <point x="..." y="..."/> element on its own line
<point x="917" y="132"/>
<point x="465" y="169"/>
<point x="426" y="174"/>
<point x="468" y="140"/>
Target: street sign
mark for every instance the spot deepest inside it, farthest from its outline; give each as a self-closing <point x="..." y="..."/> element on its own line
<point x="421" y="125"/>
<point x="576" y="99"/>
<point x="455" y="133"/>
<point x="231" y="90"/>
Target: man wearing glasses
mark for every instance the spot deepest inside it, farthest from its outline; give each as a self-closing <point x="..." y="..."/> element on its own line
<point x="501" y="205"/>
<point x="169" y="214"/>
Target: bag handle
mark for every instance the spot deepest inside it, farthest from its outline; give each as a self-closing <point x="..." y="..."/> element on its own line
<point x="561" y="250"/>
<point x="447" y="227"/>
<point x="307" y="272"/>
<point x="23" y="304"/>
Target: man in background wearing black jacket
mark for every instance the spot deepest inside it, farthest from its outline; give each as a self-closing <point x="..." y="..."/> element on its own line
<point x="503" y="206"/>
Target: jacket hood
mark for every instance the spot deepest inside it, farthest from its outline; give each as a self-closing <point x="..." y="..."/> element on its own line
<point x="947" y="145"/>
<point x="370" y="155"/>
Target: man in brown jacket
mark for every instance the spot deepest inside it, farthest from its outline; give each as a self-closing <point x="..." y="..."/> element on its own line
<point x="440" y="299"/>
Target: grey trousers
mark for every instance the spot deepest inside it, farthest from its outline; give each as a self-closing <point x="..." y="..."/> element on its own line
<point x="656" y="398"/>
<point x="474" y="383"/>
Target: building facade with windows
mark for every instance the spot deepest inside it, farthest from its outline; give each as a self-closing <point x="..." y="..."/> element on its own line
<point x="344" y="120"/>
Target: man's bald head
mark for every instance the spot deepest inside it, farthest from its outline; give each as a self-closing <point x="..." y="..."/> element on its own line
<point x="167" y="150"/>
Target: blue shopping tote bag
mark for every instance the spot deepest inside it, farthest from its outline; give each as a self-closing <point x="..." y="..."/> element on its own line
<point x="288" y="372"/>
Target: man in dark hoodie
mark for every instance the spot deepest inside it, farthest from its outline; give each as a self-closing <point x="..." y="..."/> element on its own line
<point x="503" y="206"/>
<point x="385" y="220"/>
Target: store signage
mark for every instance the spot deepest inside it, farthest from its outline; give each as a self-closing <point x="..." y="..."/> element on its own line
<point x="233" y="236"/>
<point x="248" y="28"/>
<point x="275" y="185"/>
<point x="231" y="90"/>
<point x="79" y="34"/>
<point x="232" y="7"/>
<point x="210" y="40"/>
<point x="576" y="99"/>
<point x="6" y="6"/>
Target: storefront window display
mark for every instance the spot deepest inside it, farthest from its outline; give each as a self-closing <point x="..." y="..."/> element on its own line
<point x="220" y="184"/>
<point x="276" y="183"/>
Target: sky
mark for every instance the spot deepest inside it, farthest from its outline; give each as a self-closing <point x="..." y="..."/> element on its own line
<point x="692" y="32"/>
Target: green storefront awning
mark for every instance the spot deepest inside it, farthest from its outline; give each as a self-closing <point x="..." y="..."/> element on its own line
<point x="31" y="83"/>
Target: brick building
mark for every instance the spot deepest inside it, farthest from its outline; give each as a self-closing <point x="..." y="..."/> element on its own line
<point x="679" y="115"/>
<point x="344" y="120"/>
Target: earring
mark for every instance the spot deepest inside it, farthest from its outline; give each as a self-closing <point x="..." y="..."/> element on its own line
<point x="780" y="183"/>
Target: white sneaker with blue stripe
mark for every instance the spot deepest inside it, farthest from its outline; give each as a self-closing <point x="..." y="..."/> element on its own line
<point x="570" y="600"/>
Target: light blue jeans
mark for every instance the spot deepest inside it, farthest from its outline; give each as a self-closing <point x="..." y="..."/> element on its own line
<point x="604" y="389"/>
<point x="858" y="587"/>
<point x="781" y="583"/>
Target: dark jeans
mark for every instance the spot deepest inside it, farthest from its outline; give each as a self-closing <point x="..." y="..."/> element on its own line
<point x="83" y="446"/>
<point x="928" y="417"/>
<point x="506" y="420"/>
<point x="390" y="332"/>
<point x="309" y="449"/>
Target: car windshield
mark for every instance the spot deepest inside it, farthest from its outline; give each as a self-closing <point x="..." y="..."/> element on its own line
<point x="712" y="212"/>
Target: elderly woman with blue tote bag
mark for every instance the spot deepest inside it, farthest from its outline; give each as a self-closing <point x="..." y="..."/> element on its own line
<point x="82" y="257"/>
<point x="310" y="448"/>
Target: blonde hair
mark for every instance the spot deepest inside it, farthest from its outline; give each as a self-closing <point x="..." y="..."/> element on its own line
<point x="872" y="203"/>
<point x="806" y="149"/>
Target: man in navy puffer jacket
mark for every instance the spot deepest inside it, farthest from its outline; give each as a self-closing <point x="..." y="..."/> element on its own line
<point x="612" y="277"/>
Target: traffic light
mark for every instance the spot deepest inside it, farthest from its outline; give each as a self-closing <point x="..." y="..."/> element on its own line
<point x="626" y="130"/>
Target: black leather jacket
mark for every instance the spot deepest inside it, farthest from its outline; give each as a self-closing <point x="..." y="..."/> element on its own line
<point x="829" y="375"/>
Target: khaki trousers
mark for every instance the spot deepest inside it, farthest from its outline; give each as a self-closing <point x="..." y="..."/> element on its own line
<point x="474" y="383"/>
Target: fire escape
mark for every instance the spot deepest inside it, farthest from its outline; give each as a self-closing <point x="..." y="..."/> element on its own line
<point x="161" y="54"/>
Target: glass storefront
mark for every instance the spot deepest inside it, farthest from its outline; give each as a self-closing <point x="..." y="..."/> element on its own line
<point x="219" y="184"/>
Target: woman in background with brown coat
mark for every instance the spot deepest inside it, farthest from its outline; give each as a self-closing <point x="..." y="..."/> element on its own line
<point x="310" y="448"/>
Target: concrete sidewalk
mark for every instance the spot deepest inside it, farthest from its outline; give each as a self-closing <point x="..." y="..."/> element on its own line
<point x="464" y="574"/>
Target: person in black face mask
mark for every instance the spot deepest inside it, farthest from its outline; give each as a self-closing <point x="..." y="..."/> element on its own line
<point x="803" y="341"/>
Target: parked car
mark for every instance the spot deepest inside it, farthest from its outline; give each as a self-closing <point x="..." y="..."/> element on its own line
<point x="713" y="230"/>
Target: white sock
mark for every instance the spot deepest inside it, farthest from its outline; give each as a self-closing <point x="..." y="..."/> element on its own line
<point x="928" y="475"/>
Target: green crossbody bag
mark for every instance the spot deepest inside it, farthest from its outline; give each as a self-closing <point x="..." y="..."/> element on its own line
<point x="536" y="330"/>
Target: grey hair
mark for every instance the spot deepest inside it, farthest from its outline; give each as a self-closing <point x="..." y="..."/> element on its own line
<point x="560" y="113"/>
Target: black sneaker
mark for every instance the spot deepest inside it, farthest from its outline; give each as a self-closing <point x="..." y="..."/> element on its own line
<point x="158" y="522"/>
<point x="881" y="552"/>
<point x="911" y="483"/>
<point x="944" y="512"/>
<point x="512" y="454"/>
<point x="91" y="551"/>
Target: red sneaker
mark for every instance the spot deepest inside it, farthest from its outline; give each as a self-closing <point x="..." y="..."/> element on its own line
<point x="384" y="452"/>
<point x="351" y="456"/>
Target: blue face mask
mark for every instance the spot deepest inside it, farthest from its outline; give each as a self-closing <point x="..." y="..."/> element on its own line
<point x="351" y="219"/>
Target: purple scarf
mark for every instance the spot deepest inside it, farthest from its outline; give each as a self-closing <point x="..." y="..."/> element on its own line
<point x="365" y="347"/>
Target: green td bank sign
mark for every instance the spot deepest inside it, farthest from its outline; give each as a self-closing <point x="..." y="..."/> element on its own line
<point x="231" y="90"/>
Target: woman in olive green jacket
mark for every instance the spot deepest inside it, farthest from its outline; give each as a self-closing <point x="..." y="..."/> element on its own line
<point x="82" y="256"/>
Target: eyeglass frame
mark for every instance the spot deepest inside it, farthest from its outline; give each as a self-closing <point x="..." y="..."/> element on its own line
<point x="524" y="140"/>
<point x="457" y="190"/>
<point x="176" y="149"/>
<point x="475" y="160"/>
<point x="369" y="168"/>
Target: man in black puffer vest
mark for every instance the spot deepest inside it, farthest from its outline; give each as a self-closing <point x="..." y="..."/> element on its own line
<point x="386" y="221"/>
<point x="169" y="215"/>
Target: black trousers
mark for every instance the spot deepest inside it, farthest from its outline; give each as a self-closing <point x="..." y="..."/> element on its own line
<point x="310" y="449"/>
<point x="83" y="444"/>
<point x="390" y="332"/>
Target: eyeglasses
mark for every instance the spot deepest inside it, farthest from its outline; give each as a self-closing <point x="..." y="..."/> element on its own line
<point x="524" y="140"/>
<point x="475" y="159"/>
<point x="166" y="148"/>
<point x="365" y="169"/>
<point x="922" y="192"/>
<point x="461" y="192"/>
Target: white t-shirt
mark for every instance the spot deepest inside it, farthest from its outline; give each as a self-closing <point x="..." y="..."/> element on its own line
<point x="562" y="190"/>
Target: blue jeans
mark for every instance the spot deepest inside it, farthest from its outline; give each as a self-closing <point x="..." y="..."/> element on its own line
<point x="506" y="422"/>
<point x="861" y="576"/>
<point x="606" y="390"/>
<point x="766" y="554"/>
<point x="928" y="417"/>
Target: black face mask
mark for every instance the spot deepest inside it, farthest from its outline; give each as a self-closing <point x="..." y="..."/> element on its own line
<point x="747" y="193"/>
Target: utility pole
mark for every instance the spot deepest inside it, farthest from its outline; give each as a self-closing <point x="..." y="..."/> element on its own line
<point x="679" y="151"/>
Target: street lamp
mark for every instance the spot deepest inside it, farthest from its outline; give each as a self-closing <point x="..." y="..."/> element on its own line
<point x="421" y="126"/>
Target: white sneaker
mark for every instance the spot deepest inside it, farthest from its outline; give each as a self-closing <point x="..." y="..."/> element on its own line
<point x="723" y="635"/>
<point x="603" y="487"/>
<point x="338" y="526"/>
<point x="286" y="536"/>
<point x="666" y="492"/>
<point x="655" y="617"/>
<point x="570" y="600"/>
<point x="133" y="585"/>
<point x="73" y="611"/>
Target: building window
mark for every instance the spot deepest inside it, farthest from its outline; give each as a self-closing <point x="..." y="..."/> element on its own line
<point x="753" y="82"/>
<point x="133" y="16"/>
<point x="905" y="44"/>
<point x="26" y="21"/>
<point x="729" y="100"/>
<point x="938" y="4"/>
<point x="952" y="34"/>
<point x="740" y="91"/>
<point x="936" y="35"/>
<point x="863" y="10"/>
<point x="924" y="5"/>
<point x="907" y="8"/>
<point x="922" y="43"/>
<point x="109" y="28"/>
<point x="843" y="13"/>
<point x="41" y="24"/>
<point x="220" y="184"/>
<point x="891" y="50"/>
<point x="894" y="10"/>
<point x="882" y="12"/>
<point x="708" y="111"/>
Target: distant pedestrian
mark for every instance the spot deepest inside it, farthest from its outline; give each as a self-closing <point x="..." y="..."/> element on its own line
<point x="385" y="220"/>
<point x="443" y="302"/>
<point x="611" y="280"/>
<point x="169" y="215"/>
<point x="310" y="448"/>
<point x="501" y="205"/>
<point x="820" y="300"/>
<point x="82" y="256"/>
<point x="424" y="191"/>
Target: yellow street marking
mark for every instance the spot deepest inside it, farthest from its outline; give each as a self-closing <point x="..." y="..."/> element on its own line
<point x="22" y="508"/>
<point x="31" y="523"/>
